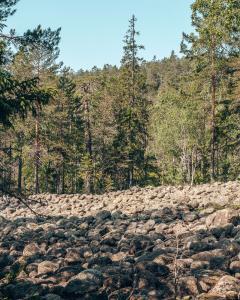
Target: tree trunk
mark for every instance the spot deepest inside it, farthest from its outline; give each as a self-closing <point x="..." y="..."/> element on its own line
<point x="20" y="163"/>
<point x="10" y="169"/>
<point x="88" y="138"/>
<point x="63" y="176"/>
<point x="213" y="109"/>
<point x="37" y="152"/>
<point x="213" y="128"/>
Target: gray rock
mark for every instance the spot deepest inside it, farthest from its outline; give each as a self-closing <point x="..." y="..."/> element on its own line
<point x="52" y="297"/>
<point x="222" y="217"/>
<point x="47" y="267"/>
<point x="87" y="281"/>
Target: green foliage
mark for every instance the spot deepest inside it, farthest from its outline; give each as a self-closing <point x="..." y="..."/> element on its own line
<point x="169" y="121"/>
<point x="131" y="113"/>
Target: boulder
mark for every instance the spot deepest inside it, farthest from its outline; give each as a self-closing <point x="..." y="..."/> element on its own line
<point x="87" y="281"/>
<point x="31" y="249"/>
<point x="226" y="284"/>
<point x="222" y="217"/>
<point x="47" y="267"/>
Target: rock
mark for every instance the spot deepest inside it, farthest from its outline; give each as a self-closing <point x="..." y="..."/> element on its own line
<point x="140" y="243"/>
<point x="101" y="246"/>
<point x="52" y="297"/>
<point x="153" y="267"/>
<point x="223" y="231"/>
<point x="198" y="246"/>
<point x="73" y="255"/>
<point x="235" y="266"/>
<point x="189" y="286"/>
<point x="19" y="290"/>
<point x="99" y="261"/>
<point x="197" y="266"/>
<point x="209" y="255"/>
<point x="87" y="281"/>
<point x="47" y="267"/>
<point x="211" y="297"/>
<point x="222" y="217"/>
<point x="118" y="256"/>
<point x="226" y="284"/>
<point x="152" y="256"/>
<point x="103" y="215"/>
<point x="31" y="249"/>
<point x="159" y="228"/>
<point x="230" y="248"/>
<point x="2" y="220"/>
<point x="5" y="260"/>
<point x="190" y="217"/>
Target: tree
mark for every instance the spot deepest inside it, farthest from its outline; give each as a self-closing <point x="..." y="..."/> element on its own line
<point x="40" y="47"/>
<point x="177" y="124"/>
<point x="131" y="112"/>
<point x="61" y="137"/>
<point x="17" y="97"/>
<point x="215" y="41"/>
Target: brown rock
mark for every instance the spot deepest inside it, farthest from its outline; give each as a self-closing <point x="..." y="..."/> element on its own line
<point x="31" y="249"/>
<point x="226" y="284"/>
<point x="188" y="286"/>
<point x="47" y="267"/>
<point x="235" y="266"/>
<point x="222" y="217"/>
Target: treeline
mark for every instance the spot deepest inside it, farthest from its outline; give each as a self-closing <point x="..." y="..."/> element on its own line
<point x="169" y="121"/>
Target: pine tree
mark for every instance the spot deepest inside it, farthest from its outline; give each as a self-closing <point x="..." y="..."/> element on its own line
<point x="216" y="40"/>
<point x="17" y="96"/>
<point x="41" y="49"/>
<point x="131" y="112"/>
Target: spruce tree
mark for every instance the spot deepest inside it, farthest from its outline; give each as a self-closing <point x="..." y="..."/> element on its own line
<point x="131" y="112"/>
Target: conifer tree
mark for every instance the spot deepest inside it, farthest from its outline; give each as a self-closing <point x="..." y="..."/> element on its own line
<point x="131" y="112"/>
<point x="41" y="49"/>
<point x="216" y="40"/>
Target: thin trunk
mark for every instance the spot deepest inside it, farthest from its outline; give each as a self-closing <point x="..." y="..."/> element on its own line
<point x="37" y="140"/>
<point x="213" y="110"/>
<point x="10" y="169"/>
<point x="37" y="152"/>
<point x="213" y="128"/>
<point x="132" y="104"/>
<point x="20" y="164"/>
<point x="63" y="176"/>
<point x="88" y="141"/>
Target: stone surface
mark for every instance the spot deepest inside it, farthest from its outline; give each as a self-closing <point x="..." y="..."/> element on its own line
<point x="143" y="243"/>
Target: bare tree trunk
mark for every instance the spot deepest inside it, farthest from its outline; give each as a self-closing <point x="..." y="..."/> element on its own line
<point x="88" y="138"/>
<point x="37" y="152"/>
<point x="10" y="168"/>
<point x="213" y="128"/>
<point x="20" y="163"/>
<point x="213" y="110"/>
<point x="63" y="176"/>
<point x="194" y="164"/>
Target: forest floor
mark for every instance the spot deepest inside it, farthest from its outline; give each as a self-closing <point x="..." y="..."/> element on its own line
<point x="144" y="243"/>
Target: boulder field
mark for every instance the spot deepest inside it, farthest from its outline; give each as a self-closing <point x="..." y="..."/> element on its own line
<point x="144" y="243"/>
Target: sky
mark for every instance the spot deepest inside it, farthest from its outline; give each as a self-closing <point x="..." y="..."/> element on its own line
<point x="93" y="30"/>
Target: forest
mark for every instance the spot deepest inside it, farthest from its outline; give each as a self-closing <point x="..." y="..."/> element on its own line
<point x="143" y="123"/>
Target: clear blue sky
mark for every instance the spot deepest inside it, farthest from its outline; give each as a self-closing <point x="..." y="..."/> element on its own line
<point x="93" y="30"/>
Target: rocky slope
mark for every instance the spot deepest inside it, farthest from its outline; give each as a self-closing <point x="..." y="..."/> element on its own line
<point x="151" y="243"/>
